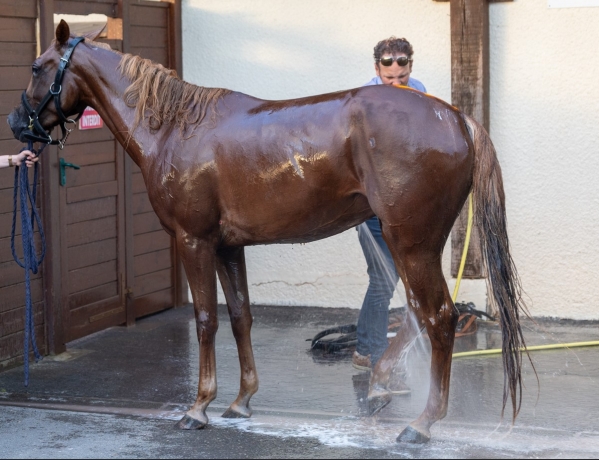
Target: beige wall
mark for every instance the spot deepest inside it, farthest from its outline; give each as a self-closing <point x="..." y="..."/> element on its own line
<point x="544" y="122"/>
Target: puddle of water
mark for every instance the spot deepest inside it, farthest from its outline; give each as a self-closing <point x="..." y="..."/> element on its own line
<point x="450" y="440"/>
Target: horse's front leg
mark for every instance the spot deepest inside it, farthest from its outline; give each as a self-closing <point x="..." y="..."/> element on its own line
<point x="199" y="258"/>
<point x="233" y="278"/>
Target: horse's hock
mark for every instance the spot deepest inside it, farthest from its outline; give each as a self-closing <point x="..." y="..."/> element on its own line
<point x="109" y="261"/>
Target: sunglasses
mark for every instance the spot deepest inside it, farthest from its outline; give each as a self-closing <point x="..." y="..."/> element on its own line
<point x="402" y="61"/>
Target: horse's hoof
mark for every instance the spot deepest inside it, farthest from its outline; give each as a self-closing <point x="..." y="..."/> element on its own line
<point x="376" y="403"/>
<point x="413" y="436"/>
<point x="189" y="423"/>
<point x="237" y="413"/>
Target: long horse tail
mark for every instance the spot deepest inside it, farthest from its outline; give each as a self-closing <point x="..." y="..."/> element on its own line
<point x="502" y="278"/>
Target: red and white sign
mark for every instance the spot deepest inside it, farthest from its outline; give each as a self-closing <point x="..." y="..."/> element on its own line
<point x="90" y="119"/>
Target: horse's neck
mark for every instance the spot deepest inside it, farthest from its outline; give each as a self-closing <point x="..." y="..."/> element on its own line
<point x="105" y="89"/>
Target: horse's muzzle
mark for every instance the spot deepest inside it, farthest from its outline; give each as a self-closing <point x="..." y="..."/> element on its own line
<point x="17" y="120"/>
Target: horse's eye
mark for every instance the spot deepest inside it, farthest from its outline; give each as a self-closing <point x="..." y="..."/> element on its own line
<point x="35" y="70"/>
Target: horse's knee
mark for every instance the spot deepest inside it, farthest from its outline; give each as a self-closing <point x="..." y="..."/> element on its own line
<point x="206" y="326"/>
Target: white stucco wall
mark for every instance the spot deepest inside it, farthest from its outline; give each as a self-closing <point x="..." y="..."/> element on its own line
<point x="545" y="125"/>
<point x="544" y="122"/>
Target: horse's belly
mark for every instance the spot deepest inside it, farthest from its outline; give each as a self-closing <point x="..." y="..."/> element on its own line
<point x="295" y="224"/>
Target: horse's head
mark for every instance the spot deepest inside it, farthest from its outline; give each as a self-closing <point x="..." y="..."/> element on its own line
<point x="50" y="100"/>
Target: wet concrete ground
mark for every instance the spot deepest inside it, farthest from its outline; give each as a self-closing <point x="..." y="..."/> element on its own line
<point x="118" y="393"/>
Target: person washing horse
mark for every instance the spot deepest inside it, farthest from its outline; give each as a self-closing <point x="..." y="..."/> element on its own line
<point x="25" y="156"/>
<point x="393" y="61"/>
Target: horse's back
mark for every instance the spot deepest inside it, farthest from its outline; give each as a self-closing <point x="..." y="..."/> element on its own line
<point x="304" y="169"/>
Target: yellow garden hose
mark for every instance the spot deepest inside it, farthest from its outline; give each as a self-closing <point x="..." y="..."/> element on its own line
<point x="465" y="251"/>
<point x="496" y="351"/>
<point x="553" y="346"/>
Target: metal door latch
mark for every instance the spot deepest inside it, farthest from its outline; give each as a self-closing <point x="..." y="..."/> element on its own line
<point x="63" y="170"/>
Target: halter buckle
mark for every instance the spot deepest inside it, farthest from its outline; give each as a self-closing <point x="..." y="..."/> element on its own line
<point x="53" y="93"/>
<point x="63" y="141"/>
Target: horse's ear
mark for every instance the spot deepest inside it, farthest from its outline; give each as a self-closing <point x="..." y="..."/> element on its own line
<point x="63" y="33"/>
<point x="95" y="33"/>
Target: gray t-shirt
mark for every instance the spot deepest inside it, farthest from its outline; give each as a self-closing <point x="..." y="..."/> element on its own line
<point x="412" y="83"/>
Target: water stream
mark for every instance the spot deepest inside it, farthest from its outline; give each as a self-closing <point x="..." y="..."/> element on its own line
<point x="420" y="345"/>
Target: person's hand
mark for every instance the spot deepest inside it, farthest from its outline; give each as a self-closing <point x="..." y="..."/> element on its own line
<point x="26" y="156"/>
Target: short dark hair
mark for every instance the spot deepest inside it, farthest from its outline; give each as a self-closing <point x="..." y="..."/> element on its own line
<point x="393" y="45"/>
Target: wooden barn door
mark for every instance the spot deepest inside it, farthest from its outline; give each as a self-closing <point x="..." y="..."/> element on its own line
<point x="151" y="32"/>
<point x="92" y="229"/>
<point x="18" y="42"/>
<point x="115" y="261"/>
<point x="92" y="234"/>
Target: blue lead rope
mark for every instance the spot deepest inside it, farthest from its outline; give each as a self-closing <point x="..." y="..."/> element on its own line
<point x="31" y="261"/>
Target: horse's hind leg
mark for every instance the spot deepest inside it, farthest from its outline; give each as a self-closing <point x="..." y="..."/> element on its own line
<point x="199" y="261"/>
<point x="419" y="265"/>
<point x="434" y="309"/>
<point x="232" y="274"/>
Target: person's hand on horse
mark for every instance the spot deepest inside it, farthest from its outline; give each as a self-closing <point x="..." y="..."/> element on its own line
<point x="26" y="156"/>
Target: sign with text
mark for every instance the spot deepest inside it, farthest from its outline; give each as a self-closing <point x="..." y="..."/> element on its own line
<point x="90" y="119"/>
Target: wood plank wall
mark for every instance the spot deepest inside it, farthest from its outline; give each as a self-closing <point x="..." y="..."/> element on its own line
<point x="90" y="216"/>
<point x="84" y="229"/>
<point x="19" y="49"/>
<point x="154" y="285"/>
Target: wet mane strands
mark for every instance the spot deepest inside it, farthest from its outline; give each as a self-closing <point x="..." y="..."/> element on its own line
<point x="160" y="96"/>
<point x="90" y="42"/>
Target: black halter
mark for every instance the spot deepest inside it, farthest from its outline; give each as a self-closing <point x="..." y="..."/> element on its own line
<point x="36" y="132"/>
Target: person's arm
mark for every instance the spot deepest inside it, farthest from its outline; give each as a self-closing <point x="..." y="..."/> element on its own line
<point x="17" y="160"/>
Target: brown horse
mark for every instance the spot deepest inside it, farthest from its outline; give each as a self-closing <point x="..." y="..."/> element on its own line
<point x="225" y="170"/>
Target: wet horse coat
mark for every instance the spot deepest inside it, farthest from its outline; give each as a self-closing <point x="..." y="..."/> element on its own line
<point x="225" y="170"/>
<point x="297" y="171"/>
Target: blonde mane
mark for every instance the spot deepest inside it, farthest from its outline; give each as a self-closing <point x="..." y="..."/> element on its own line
<point x="104" y="46"/>
<point x="159" y="95"/>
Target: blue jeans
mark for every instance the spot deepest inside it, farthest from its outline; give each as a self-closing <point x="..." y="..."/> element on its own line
<point x="374" y="315"/>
